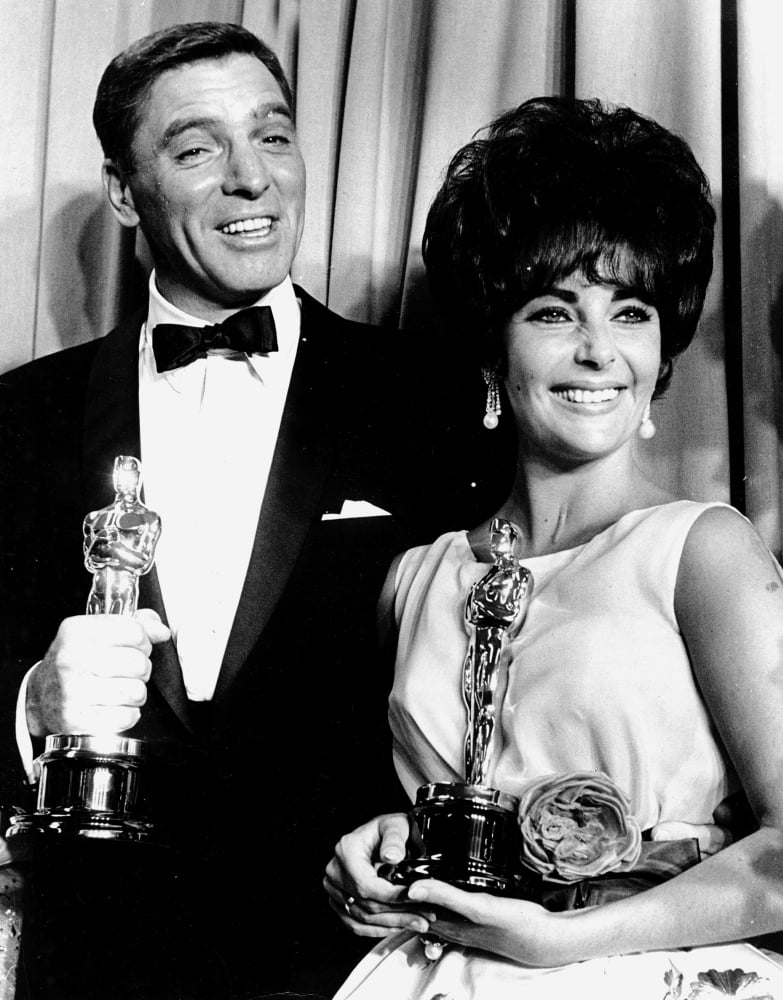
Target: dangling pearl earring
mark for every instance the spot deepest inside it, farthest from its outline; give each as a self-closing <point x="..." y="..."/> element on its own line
<point x="646" y="427"/>
<point x="493" y="399"/>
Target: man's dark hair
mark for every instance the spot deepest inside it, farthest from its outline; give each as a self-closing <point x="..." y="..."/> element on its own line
<point x="558" y="186"/>
<point x="130" y="76"/>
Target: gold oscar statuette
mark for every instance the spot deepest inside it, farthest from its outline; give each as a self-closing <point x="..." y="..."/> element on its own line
<point x="467" y="833"/>
<point x="97" y="785"/>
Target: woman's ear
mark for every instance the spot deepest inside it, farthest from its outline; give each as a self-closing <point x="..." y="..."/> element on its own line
<point x="665" y="370"/>
<point x="494" y="354"/>
<point x="119" y="194"/>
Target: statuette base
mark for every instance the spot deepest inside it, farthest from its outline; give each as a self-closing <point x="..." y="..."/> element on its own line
<point x="94" y="787"/>
<point x="467" y="835"/>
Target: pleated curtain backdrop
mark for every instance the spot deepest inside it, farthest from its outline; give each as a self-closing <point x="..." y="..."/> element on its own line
<point x="386" y="92"/>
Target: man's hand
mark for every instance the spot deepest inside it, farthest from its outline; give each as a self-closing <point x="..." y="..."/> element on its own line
<point x="94" y="676"/>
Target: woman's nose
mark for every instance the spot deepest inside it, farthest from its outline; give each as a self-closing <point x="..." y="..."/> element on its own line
<point x="596" y="346"/>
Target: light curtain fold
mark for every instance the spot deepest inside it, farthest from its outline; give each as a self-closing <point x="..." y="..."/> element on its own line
<point x="760" y="28"/>
<point x="664" y="60"/>
<point x="386" y="92"/>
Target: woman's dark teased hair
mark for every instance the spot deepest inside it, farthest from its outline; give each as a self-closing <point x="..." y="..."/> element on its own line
<point x="130" y="76"/>
<point x="557" y="186"/>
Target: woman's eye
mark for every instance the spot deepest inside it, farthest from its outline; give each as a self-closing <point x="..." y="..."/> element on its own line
<point x="549" y="314"/>
<point x="634" y="314"/>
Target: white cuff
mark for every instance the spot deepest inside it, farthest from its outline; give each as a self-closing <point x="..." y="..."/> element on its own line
<point x="23" y="739"/>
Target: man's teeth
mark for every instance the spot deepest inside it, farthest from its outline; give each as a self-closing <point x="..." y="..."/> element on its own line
<point x="248" y="226"/>
<point x="587" y="395"/>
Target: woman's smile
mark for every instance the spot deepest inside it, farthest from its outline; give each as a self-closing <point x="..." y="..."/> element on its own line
<point x="586" y="396"/>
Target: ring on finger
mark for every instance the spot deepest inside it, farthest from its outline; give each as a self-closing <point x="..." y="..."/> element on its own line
<point x="348" y="904"/>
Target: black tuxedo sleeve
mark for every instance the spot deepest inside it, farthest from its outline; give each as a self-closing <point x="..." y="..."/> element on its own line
<point x="42" y="579"/>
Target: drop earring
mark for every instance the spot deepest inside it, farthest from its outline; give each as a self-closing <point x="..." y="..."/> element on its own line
<point x="646" y="427"/>
<point x="492" y="414"/>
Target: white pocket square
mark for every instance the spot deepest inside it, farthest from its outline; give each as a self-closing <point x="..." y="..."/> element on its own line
<point x="357" y="508"/>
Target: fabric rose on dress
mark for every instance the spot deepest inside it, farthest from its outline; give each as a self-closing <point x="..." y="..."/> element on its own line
<point x="713" y="984"/>
<point x="576" y="826"/>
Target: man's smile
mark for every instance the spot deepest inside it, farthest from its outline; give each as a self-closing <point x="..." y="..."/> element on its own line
<point x="261" y="225"/>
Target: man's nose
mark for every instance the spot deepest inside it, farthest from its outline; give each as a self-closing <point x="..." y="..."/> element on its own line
<point x="246" y="171"/>
<point x="596" y="347"/>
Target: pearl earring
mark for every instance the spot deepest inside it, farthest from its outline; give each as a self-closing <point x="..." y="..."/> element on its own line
<point x="492" y="413"/>
<point x="646" y="427"/>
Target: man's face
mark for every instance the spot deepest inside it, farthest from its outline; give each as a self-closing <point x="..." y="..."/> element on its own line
<point x="218" y="184"/>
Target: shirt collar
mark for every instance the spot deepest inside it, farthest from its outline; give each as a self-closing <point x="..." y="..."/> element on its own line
<point x="285" y="309"/>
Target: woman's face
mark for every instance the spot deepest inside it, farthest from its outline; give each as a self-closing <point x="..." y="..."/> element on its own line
<point x="583" y="361"/>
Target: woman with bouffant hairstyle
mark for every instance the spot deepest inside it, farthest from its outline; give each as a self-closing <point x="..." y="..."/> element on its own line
<point x="563" y="188"/>
<point x="629" y="698"/>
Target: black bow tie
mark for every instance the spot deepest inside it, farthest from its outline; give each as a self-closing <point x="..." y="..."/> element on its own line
<point x="251" y="331"/>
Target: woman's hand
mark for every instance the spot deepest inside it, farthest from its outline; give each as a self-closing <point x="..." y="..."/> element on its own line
<point x="514" y="928"/>
<point x="366" y="903"/>
<point x="711" y="838"/>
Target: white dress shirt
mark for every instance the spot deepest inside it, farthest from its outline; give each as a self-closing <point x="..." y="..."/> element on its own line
<point x="208" y="433"/>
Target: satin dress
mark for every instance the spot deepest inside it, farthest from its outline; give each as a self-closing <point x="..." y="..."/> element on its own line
<point x="597" y="679"/>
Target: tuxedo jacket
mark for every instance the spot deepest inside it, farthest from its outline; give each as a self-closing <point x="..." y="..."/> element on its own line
<point x="295" y="751"/>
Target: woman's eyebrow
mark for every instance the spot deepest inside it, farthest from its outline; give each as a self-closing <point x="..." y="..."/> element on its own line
<point x="565" y="294"/>
<point x="620" y="294"/>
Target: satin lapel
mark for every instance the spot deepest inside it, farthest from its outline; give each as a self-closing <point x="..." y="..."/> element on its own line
<point x="111" y="410"/>
<point x="305" y="446"/>
<point x="111" y="428"/>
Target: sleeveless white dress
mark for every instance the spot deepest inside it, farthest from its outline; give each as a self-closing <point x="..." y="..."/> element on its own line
<point x="597" y="679"/>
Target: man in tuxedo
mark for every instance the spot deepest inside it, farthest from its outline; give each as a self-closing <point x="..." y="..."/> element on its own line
<point x="259" y="432"/>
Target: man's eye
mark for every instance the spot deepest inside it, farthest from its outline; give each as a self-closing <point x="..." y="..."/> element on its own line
<point x="277" y="139"/>
<point x="190" y="154"/>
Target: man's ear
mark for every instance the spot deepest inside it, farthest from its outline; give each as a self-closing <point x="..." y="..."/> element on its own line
<point x="119" y="194"/>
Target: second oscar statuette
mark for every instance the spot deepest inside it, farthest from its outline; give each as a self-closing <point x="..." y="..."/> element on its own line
<point x="467" y="833"/>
